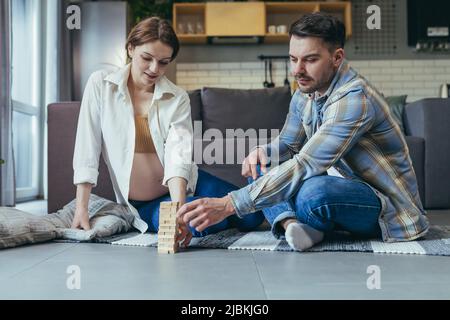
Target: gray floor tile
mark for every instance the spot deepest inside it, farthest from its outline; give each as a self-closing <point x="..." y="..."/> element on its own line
<point x="110" y="272"/>
<point x="116" y="272"/>
<point x="341" y="275"/>
<point x="16" y="260"/>
<point x="441" y="217"/>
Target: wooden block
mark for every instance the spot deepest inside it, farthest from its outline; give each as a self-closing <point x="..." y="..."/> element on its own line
<point x="166" y="235"/>
<point x="168" y="217"/>
<point x="167" y="248"/>
<point x="169" y="205"/>
<point x="168" y="227"/>
<point x="168" y="223"/>
<point x="165" y="228"/>
<point x="167" y="243"/>
<point x="172" y="214"/>
<point x="170" y="245"/>
<point x="166" y="240"/>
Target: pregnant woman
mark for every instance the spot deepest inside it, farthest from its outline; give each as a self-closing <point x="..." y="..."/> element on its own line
<point x="141" y="123"/>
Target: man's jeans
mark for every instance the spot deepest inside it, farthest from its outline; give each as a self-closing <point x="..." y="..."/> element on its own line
<point x="329" y="203"/>
<point x="207" y="186"/>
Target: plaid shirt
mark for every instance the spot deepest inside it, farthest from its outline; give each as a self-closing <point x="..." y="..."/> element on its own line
<point x="350" y="128"/>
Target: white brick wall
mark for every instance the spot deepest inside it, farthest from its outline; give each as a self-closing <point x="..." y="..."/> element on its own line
<point x="242" y="75"/>
<point x="416" y="78"/>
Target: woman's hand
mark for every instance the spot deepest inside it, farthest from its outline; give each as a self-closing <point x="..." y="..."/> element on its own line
<point x="81" y="219"/>
<point x="81" y="216"/>
<point x="206" y="212"/>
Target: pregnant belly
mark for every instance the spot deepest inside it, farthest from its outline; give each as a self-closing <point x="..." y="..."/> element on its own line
<point x="146" y="177"/>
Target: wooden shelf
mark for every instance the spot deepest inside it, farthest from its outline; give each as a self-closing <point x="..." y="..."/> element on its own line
<point x="287" y="12"/>
<point x="192" y="38"/>
<point x="341" y="10"/>
<point x="289" y="7"/>
<point x="189" y="8"/>
<point x="191" y="14"/>
<point x="249" y="18"/>
<point x="276" y="38"/>
<point x="235" y="19"/>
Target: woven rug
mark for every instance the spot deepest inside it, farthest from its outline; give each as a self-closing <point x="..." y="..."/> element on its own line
<point x="436" y="242"/>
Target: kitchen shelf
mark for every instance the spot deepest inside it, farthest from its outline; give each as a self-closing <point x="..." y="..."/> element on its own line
<point x="192" y="38"/>
<point x="276" y="38"/>
<point x="289" y="7"/>
<point x="235" y="19"/>
<point x="342" y="11"/>
<point x="226" y="18"/>
<point x="285" y="13"/>
<point x="185" y="14"/>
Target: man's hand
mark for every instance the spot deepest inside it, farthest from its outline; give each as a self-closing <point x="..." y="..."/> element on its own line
<point x="206" y="212"/>
<point x="81" y="219"/>
<point x="257" y="156"/>
<point x="183" y="233"/>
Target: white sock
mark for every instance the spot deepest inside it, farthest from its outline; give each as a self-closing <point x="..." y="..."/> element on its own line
<point x="301" y="236"/>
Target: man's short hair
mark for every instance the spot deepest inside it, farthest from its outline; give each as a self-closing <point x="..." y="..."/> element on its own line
<point x="320" y="25"/>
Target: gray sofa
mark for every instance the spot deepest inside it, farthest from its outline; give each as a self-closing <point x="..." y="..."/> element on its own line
<point x="426" y="123"/>
<point x="427" y="128"/>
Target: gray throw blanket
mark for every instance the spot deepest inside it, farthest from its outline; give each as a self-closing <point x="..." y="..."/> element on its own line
<point x="106" y="219"/>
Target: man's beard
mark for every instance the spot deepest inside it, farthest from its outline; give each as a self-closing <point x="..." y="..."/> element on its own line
<point x="314" y="85"/>
<point x="305" y="89"/>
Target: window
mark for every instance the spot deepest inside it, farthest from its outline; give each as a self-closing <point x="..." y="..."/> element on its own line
<point x="26" y="96"/>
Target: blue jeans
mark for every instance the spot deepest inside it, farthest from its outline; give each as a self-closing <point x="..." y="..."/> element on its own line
<point x="329" y="203"/>
<point x="207" y="186"/>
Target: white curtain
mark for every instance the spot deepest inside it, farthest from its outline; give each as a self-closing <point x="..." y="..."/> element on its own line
<point x="58" y="65"/>
<point x="7" y="183"/>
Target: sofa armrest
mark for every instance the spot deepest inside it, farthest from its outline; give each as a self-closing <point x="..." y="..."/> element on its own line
<point x="62" y="127"/>
<point x="429" y="119"/>
<point x="416" y="148"/>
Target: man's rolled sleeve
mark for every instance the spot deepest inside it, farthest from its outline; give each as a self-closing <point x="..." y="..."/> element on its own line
<point x="242" y="202"/>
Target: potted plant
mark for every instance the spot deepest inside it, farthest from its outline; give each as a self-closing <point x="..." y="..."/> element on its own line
<point x="141" y="9"/>
<point x="2" y="161"/>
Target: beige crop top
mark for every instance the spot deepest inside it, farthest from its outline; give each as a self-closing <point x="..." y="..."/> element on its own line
<point x="144" y="142"/>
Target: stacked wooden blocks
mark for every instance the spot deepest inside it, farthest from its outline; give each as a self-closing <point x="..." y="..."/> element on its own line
<point x="168" y="227"/>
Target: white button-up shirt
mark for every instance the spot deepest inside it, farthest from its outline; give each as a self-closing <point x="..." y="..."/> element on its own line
<point x="106" y="125"/>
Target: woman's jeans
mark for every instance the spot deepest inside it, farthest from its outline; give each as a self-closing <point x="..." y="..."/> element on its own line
<point x="207" y="186"/>
<point x="329" y="203"/>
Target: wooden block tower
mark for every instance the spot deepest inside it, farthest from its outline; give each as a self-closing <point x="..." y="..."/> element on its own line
<point x="168" y="227"/>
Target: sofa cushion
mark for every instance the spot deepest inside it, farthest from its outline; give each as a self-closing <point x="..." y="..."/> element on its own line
<point x="196" y="104"/>
<point x="106" y="219"/>
<point x="18" y="228"/>
<point x="416" y="148"/>
<point x="397" y="107"/>
<point x="245" y="109"/>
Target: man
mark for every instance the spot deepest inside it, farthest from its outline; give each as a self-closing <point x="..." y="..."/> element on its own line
<point x="344" y="162"/>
